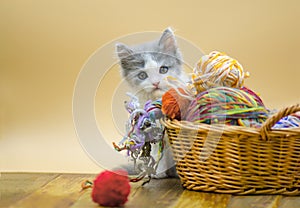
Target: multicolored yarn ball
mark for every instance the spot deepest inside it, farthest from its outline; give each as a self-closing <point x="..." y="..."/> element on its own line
<point x="154" y="109"/>
<point x="227" y="105"/>
<point x="174" y="104"/>
<point x="218" y="69"/>
<point x="111" y="189"/>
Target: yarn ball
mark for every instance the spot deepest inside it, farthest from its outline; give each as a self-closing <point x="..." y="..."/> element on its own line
<point x="174" y="105"/>
<point x="228" y="105"/>
<point x="111" y="189"/>
<point x="218" y="69"/>
<point x="154" y="109"/>
<point x="291" y="121"/>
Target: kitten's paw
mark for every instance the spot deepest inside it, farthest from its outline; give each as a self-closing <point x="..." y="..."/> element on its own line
<point x="160" y="175"/>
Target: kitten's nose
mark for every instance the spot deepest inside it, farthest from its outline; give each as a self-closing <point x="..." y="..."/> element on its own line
<point x="155" y="84"/>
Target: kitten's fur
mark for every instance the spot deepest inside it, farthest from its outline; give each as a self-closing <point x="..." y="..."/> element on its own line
<point x="154" y="60"/>
<point x="145" y="68"/>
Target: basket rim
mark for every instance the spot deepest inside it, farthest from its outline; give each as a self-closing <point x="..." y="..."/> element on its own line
<point x="202" y="127"/>
<point x="265" y="131"/>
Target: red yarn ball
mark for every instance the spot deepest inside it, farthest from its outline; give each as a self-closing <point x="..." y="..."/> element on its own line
<point x="111" y="189"/>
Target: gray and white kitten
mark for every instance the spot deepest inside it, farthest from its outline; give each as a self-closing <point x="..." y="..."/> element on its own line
<point x="145" y="67"/>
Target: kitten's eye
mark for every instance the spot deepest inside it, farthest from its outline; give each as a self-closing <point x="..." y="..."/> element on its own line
<point x="163" y="69"/>
<point x="142" y="75"/>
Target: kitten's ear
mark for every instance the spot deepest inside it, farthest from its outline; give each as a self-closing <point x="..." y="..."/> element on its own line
<point x="123" y="50"/>
<point x="167" y="42"/>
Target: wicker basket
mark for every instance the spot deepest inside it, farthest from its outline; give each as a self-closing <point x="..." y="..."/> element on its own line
<point x="235" y="159"/>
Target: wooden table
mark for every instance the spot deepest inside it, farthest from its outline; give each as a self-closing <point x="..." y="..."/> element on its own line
<point x="64" y="190"/>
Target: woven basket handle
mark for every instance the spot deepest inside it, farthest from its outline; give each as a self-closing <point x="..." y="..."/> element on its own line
<point x="270" y="122"/>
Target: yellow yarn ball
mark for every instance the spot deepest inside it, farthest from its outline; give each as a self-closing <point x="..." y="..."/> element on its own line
<point x="218" y="69"/>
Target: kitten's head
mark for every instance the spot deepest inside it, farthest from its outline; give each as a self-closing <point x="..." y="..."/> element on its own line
<point x="146" y="66"/>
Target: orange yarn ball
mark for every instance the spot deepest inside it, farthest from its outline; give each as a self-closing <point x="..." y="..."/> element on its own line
<point x="174" y="105"/>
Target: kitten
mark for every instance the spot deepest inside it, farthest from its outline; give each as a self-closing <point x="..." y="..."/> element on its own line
<point x="145" y="68"/>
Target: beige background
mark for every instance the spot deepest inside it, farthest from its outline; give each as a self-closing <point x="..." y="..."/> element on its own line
<point x="44" y="44"/>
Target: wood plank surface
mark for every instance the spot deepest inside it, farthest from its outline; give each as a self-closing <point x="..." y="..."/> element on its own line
<point x="193" y="199"/>
<point x="61" y="191"/>
<point x="159" y="193"/>
<point x="259" y="201"/>
<point x="15" y="186"/>
<point x="85" y="200"/>
<point x="64" y="190"/>
<point x="289" y="202"/>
